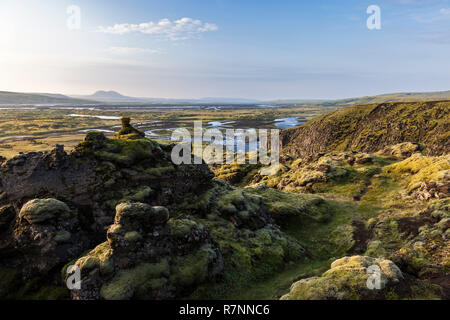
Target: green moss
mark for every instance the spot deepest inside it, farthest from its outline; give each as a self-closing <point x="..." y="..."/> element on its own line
<point x="38" y="288"/>
<point x="49" y="293"/>
<point x="181" y="227"/>
<point x="375" y="249"/>
<point x="387" y="230"/>
<point x="62" y="236"/>
<point x="126" y="152"/>
<point x="419" y="168"/>
<point x="192" y="269"/>
<point x="342" y="239"/>
<point x="135" y="282"/>
<point x="139" y="195"/>
<point x="228" y="202"/>
<point x="415" y="259"/>
<point x="249" y="257"/>
<point x="347" y="279"/>
<point x="286" y="205"/>
<point x="133" y="236"/>
<point x="160" y="171"/>
<point x="99" y="257"/>
<point x="41" y="210"/>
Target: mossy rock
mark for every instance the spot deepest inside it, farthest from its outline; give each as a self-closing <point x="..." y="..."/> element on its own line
<point x="135" y="282"/>
<point x="179" y="228"/>
<point x="402" y="150"/>
<point x="354" y="278"/>
<point x="191" y="270"/>
<point x="127" y="152"/>
<point x="419" y="168"/>
<point x="99" y="257"/>
<point x="41" y="210"/>
<point x="139" y="195"/>
<point x="375" y="249"/>
<point x="137" y="215"/>
<point x="160" y="171"/>
<point x="285" y="206"/>
<point x="132" y="236"/>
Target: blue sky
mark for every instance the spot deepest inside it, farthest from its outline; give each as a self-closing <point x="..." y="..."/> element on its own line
<point x="225" y="48"/>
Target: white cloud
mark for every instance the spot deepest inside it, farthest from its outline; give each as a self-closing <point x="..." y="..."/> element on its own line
<point x="445" y="11"/>
<point x="180" y="29"/>
<point x="124" y="51"/>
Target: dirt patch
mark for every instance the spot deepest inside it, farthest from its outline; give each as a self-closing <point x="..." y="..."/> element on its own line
<point x="444" y="282"/>
<point x="361" y="236"/>
<point x="410" y="225"/>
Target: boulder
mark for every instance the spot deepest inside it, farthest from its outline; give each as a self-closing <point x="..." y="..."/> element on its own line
<point x="361" y="277"/>
<point x="40" y="210"/>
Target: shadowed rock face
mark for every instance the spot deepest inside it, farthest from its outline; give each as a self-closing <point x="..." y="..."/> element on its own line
<point x="47" y="234"/>
<point x="370" y="128"/>
<point x="98" y="172"/>
<point x="147" y="258"/>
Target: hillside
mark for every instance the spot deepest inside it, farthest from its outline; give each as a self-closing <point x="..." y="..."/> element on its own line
<point x="372" y="127"/>
<point x="15" y="98"/>
<point x="382" y="98"/>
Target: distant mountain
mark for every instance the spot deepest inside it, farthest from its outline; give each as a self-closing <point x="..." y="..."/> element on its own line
<point x="110" y="97"/>
<point x="16" y="98"/>
<point x="113" y="97"/>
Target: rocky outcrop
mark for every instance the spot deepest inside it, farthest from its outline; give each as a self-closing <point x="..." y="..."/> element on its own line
<point x="147" y="257"/>
<point x="371" y="128"/>
<point x="98" y="174"/>
<point x="46" y="235"/>
<point x="128" y="131"/>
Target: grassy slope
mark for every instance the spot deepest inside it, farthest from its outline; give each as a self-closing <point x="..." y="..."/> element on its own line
<point x="371" y="127"/>
<point x="14" y="98"/>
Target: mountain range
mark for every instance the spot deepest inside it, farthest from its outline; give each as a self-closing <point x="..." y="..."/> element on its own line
<point x="113" y="97"/>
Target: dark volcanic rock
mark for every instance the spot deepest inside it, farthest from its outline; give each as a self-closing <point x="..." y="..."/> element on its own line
<point x="147" y="258"/>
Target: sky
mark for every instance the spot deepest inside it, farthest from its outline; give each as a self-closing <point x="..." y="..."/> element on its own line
<point x="224" y="48"/>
